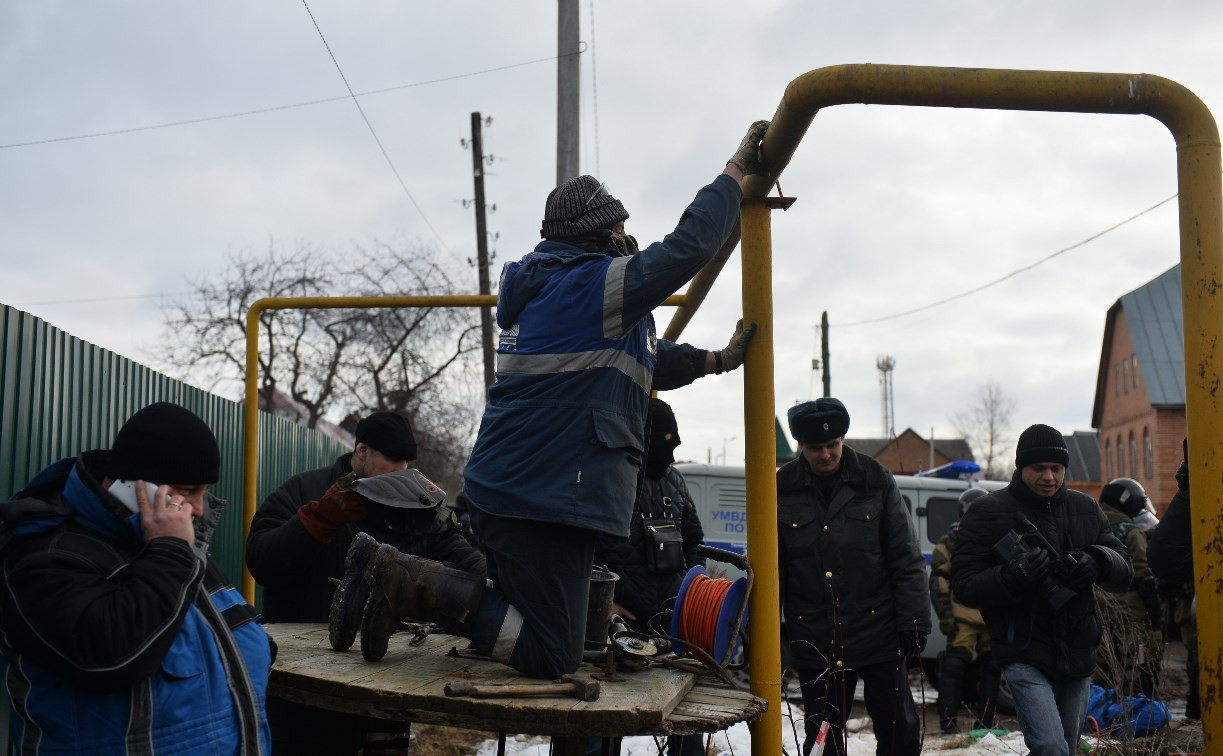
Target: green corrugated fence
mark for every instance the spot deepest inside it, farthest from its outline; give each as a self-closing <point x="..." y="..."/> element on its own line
<point x="60" y="396"/>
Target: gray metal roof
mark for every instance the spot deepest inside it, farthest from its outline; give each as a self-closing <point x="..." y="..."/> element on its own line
<point x="1084" y="448"/>
<point x="1153" y="313"/>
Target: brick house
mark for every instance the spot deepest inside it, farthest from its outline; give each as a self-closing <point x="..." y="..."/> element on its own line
<point x="1139" y="407"/>
<point x="909" y="453"/>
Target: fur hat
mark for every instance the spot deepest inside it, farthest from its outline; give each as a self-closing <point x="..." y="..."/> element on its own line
<point x="389" y="433"/>
<point x="819" y="421"/>
<point x="1041" y="443"/>
<point x="579" y="206"/>
<point x="165" y="443"/>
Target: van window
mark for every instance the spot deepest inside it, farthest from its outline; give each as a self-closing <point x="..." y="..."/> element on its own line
<point x="941" y="513"/>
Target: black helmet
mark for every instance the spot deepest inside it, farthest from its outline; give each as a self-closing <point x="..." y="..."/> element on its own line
<point x="1126" y="495"/>
<point x="968" y="496"/>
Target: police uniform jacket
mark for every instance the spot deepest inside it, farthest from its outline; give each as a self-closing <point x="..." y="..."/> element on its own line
<point x="852" y="577"/>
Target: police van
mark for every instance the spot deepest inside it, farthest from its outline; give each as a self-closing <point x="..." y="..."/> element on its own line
<point x="720" y="494"/>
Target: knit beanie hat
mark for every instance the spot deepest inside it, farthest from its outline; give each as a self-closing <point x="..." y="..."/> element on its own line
<point x="165" y="443"/>
<point x="819" y="421"/>
<point x="579" y="206"/>
<point x="1041" y="443"/>
<point x="389" y="433"/>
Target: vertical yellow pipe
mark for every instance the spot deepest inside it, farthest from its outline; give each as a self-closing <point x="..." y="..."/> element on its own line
<point x="761" y="444"/>
<point x="1201" y="198"/>
<point x="250" y="440"/>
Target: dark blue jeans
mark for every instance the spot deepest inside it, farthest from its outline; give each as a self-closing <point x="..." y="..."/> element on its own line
<point x="1050" y="712"/>
<point x="540" y="573"/>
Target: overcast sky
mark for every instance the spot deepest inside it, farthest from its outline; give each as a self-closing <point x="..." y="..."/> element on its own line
<point x="898" y="207"/>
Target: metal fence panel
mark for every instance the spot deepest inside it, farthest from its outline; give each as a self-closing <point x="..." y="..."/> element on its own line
<point x="60" y="396"/>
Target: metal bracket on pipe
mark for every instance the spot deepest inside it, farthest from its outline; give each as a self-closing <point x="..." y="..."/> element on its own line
<point x="779" y="203"/>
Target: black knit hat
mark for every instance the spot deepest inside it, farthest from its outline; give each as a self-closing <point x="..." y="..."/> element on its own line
<point x="579" y="206"/>
<point x="819" y="421"/>
<point x="1041" y="443"/>
<point x="165" y="443"/>
<point x="389" y="433"/>
<point x="662" y="422"/>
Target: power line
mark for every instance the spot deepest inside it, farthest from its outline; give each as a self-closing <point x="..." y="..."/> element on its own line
<point x="1012" y="274"/>
<point x="373" y="133"/>
<point x="276" y="108"/>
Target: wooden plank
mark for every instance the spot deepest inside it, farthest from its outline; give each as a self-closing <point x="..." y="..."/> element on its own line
<point x="408" y="685"/>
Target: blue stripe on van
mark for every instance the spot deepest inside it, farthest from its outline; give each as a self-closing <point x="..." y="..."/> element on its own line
<point x="738" y="548"/>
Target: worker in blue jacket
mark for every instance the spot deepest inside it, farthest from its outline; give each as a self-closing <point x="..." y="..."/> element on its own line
<point x="560" y="445"/>
<point x="120" y="634"/>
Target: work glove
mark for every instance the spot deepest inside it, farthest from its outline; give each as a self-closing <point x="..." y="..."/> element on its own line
<point x="1026" y="569"/>
<point x="911" y="643"/>
<point x="732" y="356"/>
<point x="1080" y="572"/>
<point x="339" y="506"/>
<point x="748" y="156"/>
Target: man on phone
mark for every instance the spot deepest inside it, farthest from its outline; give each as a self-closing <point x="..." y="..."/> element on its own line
<point x="117" y="635"/>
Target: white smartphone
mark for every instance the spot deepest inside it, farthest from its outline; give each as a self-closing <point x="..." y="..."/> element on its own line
<point x="125" y="492"/>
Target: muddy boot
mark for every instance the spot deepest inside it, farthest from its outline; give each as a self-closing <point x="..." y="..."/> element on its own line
<point x="365" y="558"/>
<point x="951" y="687"/>
<point x="420" y="589"/>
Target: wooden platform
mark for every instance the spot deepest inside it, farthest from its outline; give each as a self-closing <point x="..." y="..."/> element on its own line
<point x="406" y="686"/>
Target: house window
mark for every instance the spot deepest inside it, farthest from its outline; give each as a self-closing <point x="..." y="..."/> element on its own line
<point x="1133" y="456"/>
<point x="1120" y="457"/>
<point x="1125" y="376"/>
<point x="1108" y="460"/>
<point x="1148" y="453"/>
<point x="1116" y="380"/>
<point x="1134" y="369"/>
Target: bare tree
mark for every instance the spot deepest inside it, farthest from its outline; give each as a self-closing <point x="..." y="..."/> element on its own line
<point x="416" y="361"/>
<point x="986" y="426"/>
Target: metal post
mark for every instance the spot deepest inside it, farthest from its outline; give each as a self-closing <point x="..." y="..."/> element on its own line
<point x="486" y="313"/>
<point x="568" y="91"/>
<point x="761" y="441"/>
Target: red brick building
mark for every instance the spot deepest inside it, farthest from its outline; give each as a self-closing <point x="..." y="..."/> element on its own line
<point x="1139" y="407"/>
<point x="909" y="453"/>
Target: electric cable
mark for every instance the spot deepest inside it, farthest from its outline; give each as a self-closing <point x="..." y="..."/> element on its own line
<point x="1010" y="275"/>
<point x="373" y="133"/>
<point x="698" y="620"/>
<point x="276" y="108"/>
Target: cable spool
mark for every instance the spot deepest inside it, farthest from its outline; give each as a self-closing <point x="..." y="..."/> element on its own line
<point x="706" y="610"/>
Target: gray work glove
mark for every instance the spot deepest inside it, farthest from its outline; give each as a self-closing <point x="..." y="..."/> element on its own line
<point x="732" y="356"/>
<point x="748" y="157"/>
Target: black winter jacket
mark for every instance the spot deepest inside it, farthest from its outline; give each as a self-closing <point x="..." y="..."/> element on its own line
<point x="1023" y="627"/>
<point x="852" y="577"/>
<point x="639" y="590"/>
<point x="294" y="568"/>
<point x="1170" y="547"/>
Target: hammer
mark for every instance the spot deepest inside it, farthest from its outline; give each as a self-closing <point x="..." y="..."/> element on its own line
<point x="582" y="690"/>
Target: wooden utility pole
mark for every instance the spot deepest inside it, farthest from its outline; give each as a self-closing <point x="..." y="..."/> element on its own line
<point x="568" y="91"/>
<point x="486" y="313"/>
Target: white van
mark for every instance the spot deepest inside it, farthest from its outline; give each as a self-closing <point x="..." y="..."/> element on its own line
<point x="720" y="494"/>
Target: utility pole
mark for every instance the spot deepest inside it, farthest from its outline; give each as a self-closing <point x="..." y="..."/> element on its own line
<point x="568" y="91"/>
<point x="486" y="313"/>
<point x="824" y="354"/>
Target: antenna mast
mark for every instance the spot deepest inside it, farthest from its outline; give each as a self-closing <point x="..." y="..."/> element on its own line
<point x="886" y="364"/>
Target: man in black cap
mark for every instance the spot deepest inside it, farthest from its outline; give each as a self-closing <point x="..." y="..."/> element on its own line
<point x="853" y="583"/>
<point x="1027" y="556"/>
<point x="560" y="445"/>
<point x="118" y="635"/>
<point x="297" y="546"/>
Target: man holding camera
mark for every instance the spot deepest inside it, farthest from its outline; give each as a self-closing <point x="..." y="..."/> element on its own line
<point x="1027" y="556"/>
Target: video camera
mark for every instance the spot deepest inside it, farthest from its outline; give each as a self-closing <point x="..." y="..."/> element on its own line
<point x="1015" y="544"/>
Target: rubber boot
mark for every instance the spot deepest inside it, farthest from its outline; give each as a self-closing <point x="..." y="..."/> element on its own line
<point x="989" y="679"/>
<point x="951" y="687"/>
<point x="410" y="587"/>
<point x="365" y="558"/>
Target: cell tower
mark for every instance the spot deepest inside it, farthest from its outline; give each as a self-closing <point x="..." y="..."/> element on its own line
<point x="886" y="364"/>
